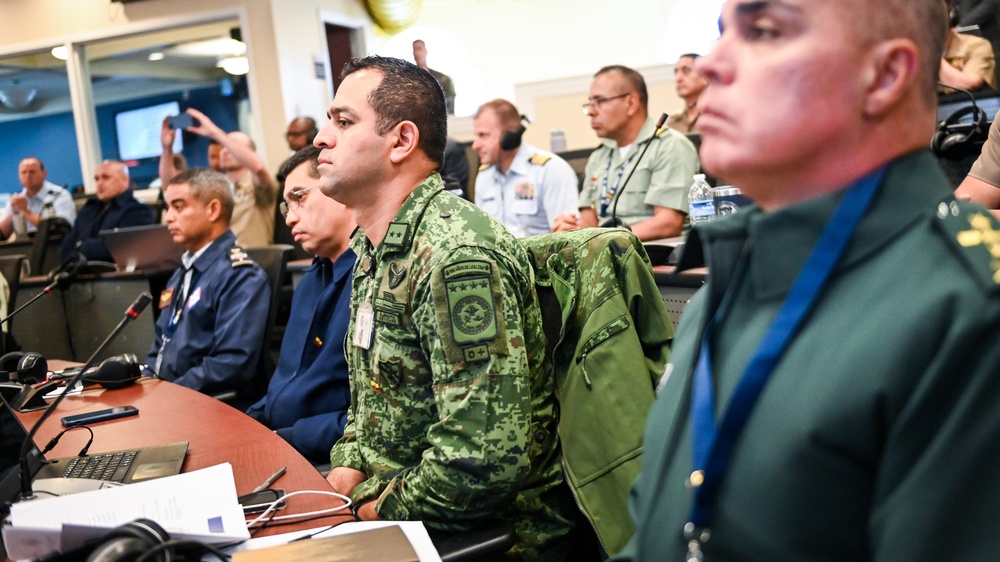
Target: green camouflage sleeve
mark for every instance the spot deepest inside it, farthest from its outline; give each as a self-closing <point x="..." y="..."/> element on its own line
<point x="345" y="451"/>
<point x="468" y="312"/>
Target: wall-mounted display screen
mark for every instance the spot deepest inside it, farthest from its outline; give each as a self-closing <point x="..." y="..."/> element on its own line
<point x="139" y="131"/>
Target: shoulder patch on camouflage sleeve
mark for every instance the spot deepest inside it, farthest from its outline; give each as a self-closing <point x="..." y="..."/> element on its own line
<point x="975" y="235"/>
<point x="239" y="258"/>
<point x="540" y="159"/>
<point x="468" y="303"/>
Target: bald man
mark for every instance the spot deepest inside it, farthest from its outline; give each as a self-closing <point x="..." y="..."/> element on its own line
<point x="832" y="391"/>
<point x="300" y="133"/>
<point x="254" y="191"/>
<point x="31" y="201"/>
<point x="113" y="206"/>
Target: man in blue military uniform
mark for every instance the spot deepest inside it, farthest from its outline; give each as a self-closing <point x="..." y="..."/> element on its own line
<point x="214" y="309"/>
<point x="114" y="206"/>
<point x="309" y="393"/>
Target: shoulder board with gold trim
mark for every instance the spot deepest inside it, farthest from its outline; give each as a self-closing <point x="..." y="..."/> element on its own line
<point x="974" y="234"/>
<point x="661" y="131"/>
<point x="540" y="159"/>
<point x="239" y="258"/>
<point x="483" y="167"/>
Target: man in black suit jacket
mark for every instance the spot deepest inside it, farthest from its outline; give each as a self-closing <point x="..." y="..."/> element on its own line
<point x="114" y="207"/>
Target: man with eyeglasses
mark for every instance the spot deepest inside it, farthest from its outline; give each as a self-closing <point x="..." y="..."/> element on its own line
<point x="655" y="204"/>
<point x="309" y="393"/>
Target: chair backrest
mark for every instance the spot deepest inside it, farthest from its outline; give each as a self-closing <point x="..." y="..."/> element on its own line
<point x="45" y="245"/>
<point x="273" y="260"/>
<point x="12" y="269"/>
<point x="609" y="334"/>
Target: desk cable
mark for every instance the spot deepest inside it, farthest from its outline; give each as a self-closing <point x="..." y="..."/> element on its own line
<point x="83" y="452"/>
<point x="268" y="513"/>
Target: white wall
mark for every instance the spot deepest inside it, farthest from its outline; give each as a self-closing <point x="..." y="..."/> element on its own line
<point x="492" y="48"/>
<point x="489" y="47"/>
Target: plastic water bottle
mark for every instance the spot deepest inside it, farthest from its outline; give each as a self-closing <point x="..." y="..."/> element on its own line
<point x="48" y="210"/>
<point x="557" y="140"/>
<point x="701" y="205"/>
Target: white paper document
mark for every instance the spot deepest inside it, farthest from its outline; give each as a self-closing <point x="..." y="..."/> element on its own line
<point x="200" y="505"/>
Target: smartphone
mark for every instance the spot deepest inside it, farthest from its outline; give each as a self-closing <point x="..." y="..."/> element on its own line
<point x="257" y="502"/>
<point x="182" y="121"/>
<point x="99" y="416"/>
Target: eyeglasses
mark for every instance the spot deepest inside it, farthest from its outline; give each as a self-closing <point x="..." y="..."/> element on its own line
<point x="597" y="102"/>
<point x="293" y="201"/>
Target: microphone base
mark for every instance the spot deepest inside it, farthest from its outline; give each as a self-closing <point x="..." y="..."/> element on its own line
<point x="32" y="398"/>
<point x="9" y="390"/>
<point x="615" y="222"/>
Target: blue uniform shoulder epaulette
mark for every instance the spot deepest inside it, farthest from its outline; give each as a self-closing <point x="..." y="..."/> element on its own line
<point x="239" y="258"/>
<point x="539" y="159"/>
<point x="975" y="235"/>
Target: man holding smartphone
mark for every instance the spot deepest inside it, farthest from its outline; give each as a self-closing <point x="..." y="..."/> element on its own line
<point x="254" y="191"/>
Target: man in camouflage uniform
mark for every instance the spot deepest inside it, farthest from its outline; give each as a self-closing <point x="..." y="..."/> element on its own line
<point x="453" y="418"/>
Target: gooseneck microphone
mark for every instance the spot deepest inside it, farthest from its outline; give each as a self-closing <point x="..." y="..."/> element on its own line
<point x="61" y="281"/>
<point x="614" y="221"/>
<point x="131" y="314"/>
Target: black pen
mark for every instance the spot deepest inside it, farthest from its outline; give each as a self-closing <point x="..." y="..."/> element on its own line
<point x="267" y="483"/>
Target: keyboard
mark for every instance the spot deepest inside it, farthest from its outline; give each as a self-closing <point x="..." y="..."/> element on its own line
<point x="110" y="467"/>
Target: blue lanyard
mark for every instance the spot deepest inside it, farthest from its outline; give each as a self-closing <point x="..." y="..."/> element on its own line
<point x="713" y="445"/>
<point x="179" y="304"/>
<point x="608" y="193"/>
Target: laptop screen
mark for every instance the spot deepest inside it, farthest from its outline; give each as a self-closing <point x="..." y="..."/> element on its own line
<point x="12" y="436"/>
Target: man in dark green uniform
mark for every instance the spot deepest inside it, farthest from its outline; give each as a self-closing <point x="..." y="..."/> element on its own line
<point x="452" y="419"/>
<point x="833" y="392"/>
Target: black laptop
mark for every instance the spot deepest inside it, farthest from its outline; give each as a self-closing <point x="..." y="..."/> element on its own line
<point x="125" y="467"/>
<point x="138" y="248"/>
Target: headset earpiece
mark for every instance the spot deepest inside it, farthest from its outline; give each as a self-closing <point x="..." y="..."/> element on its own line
<point x="31" y="368"/>
<point x="8" y="364"/>
<point x="955" y="145"/>
<point x="116" y="372"/>
<point x="511" y="138"/>
<point x="130" y="541"/>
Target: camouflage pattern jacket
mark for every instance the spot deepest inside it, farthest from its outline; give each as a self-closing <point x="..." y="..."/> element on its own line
<point x="609" y="336"/>
<point x="452" y="416"/>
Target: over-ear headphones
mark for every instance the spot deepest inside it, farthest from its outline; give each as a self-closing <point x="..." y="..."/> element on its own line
<point x="23" y="368"/>
<point x="130" y="541"/>
<point x="141" y="539"/>
<point x="954" y="142"/>
<point x="511" y="138"/>
<point x="116" y="372"/>
<point x="30" y="368"/>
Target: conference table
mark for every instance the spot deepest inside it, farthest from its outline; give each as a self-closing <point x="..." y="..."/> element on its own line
<point x="217" y="433"/>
